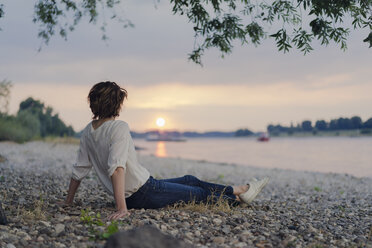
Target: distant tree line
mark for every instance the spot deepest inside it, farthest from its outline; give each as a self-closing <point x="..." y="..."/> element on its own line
<point x="243" y="132"/>
<point x="33" y="119"/>
<point x="353" y="123"/>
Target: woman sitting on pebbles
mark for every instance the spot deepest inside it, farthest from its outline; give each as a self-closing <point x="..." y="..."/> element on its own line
<point x="106" y="145"/>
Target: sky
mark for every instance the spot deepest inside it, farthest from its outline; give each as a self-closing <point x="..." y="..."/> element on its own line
<point x="251" y="88"/>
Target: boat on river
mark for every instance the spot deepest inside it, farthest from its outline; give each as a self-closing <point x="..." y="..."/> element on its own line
<point x="264" y="137"/>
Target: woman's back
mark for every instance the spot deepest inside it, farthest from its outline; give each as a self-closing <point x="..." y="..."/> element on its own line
<point x="107" y="147"/>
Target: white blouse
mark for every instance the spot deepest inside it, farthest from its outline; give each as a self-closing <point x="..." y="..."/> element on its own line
<point x="106" y="148"/>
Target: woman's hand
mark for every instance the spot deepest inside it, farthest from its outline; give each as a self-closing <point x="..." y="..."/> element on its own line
<point x="119" y="214"/>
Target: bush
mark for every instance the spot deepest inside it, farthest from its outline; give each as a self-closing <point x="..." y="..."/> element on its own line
<point x="29" y="121"/>
<point x="19" y="129"/>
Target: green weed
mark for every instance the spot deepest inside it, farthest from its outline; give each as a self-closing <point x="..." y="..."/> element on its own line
<point x="94" y="221"/>
<point x="317" y="189"/>
<point x="220" y="176"/>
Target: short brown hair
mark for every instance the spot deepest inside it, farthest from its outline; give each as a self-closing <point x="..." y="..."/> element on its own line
<point x="105" y="99"/>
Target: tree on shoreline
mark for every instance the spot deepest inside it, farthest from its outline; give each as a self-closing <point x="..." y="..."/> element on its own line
<point x="33" y="120"/>
<point x="49" y="123"/>
<point x="5" y="87"/>
<point x="219" y="23"/>
<point x="353" y="123"/>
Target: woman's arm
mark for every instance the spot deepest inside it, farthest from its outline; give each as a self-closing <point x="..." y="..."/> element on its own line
<point x="118" y="183"/>
<point x="74" y="185"/>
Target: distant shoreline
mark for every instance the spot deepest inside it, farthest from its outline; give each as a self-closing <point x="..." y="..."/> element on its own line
<point x="340" y="133"/>
<point x="220" y="134"/>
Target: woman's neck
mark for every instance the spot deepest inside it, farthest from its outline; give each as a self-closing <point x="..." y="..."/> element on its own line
<point x="97" y="123"/>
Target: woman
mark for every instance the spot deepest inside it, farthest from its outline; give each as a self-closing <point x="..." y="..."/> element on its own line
<point x="106" y="145"/>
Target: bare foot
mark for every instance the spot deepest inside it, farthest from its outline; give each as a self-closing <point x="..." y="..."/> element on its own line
<point x="240" y="189"/>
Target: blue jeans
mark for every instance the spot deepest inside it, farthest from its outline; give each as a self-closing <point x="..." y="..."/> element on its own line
<point x="160" y="193"/>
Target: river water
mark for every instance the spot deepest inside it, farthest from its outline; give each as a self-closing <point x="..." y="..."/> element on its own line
<point x="352" y="155"/>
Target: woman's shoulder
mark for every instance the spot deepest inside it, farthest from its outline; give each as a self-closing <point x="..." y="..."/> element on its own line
<point x="120" y="125"/>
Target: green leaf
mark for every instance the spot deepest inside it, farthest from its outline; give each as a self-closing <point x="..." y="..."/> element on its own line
<point x="369" y="39"/>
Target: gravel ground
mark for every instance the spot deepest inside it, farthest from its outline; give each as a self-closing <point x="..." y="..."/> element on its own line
<point x="296" y="209"/>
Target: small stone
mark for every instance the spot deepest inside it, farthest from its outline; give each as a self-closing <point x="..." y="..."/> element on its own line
<point x="59" y="245"/>
<point x="24" y="243"/>
<point x="40" y="239"/>
<point x="46" y="231"/>
<point x="174" y="232"/>
<point x="59" y="228"/>
<point x="246" y="233"/>
<point x="240" y="245"/>
<point x="163" y="227"/>
<point x="247" y="224"/>
<point x="44" y="223"/>
<point x="226" y="230"/>
<point x="292" y="227"/>
<point x="24" y="235"/>
<point x="219" y="240"/>
<point x="10" y="246"/>
<point x="217" y="221"/>
<point x="189" y="235"/>
<point x="21" y="201"/>
<point x="63" y="218"/>
<point x="186" y="225"/>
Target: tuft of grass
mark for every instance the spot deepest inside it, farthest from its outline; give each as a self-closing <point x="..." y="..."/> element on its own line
<point x="220" y="176"/>
<point x="2" y="159"/>
<point x="36" y="213"/>
<point x="317" y="189"/>
<point x="341" y="208"/>
<point x="219" y="205"/>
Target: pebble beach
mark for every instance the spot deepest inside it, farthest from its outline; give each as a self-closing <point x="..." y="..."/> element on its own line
<point x="296" y="208"/>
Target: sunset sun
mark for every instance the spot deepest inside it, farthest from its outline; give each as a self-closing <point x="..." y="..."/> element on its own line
<point x="160" y="122"/>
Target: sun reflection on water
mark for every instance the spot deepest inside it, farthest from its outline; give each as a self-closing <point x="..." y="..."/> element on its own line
<point x="161" y="149"/>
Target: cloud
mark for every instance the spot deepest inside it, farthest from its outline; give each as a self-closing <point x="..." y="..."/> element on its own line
<point x="155" y="51"/>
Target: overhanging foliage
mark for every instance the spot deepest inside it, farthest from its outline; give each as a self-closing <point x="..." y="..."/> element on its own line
<point x="218" y="23"/>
